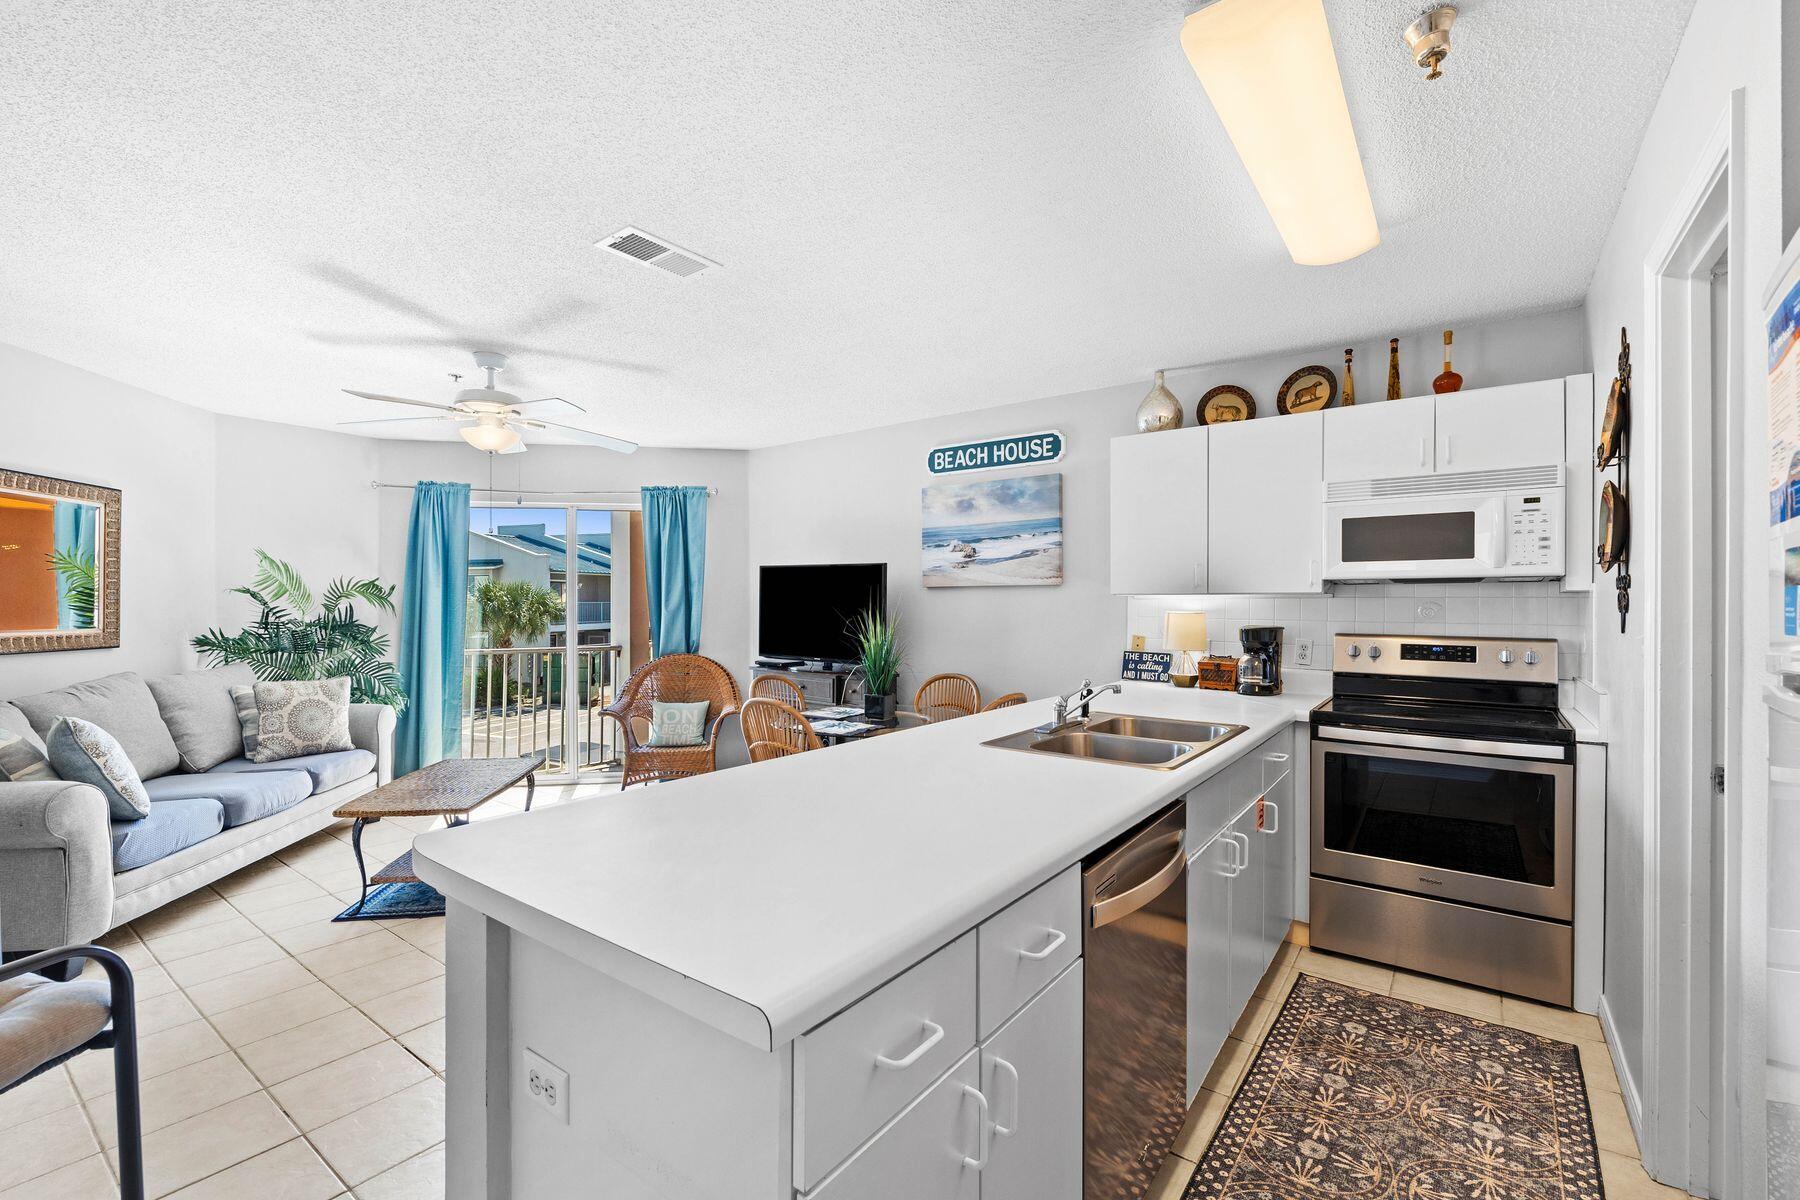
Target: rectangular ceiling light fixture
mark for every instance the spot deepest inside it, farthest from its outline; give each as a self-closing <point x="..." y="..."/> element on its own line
<point x="653" y="251"/>
<point x="1269" y="68"/>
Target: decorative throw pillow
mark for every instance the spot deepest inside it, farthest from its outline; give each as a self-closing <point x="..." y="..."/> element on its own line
<point x="85" y="753"/>
<point x="674" y="724"/>
<point x="307" y="716"/>
<point x="21" y="761"/>
<point x="243" y="698"/>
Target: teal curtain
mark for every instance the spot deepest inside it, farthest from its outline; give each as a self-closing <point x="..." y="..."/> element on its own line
<point x="674" y="566"/>
<point x="433" y="606"/>
<point x="73" y="526"/>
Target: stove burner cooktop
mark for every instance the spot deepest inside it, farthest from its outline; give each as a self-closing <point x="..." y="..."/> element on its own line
<point x="1446" y="718"/>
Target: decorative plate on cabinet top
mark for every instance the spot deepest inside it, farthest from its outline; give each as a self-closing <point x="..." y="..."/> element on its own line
<point x="1307" y="390"/>
<point x="1227" y="402"/>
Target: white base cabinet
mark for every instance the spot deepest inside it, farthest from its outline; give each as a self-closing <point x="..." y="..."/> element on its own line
<point x="926" y="1153"/>
<point x="1031" y="1075"/>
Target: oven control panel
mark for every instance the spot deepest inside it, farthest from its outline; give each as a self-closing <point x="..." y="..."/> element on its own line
<point x="1527" y="660"/>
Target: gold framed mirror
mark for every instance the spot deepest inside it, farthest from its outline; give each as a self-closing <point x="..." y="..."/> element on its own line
<point x="59" y="564"/>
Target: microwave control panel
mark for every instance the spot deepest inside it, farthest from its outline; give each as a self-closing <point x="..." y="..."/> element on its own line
<point x="1532" y="519"/>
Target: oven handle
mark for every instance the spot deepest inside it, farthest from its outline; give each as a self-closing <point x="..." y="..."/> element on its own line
<point x="1421" y="741"/>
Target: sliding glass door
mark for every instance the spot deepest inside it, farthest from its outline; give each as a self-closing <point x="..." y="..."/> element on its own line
<point x="548" y="636"/>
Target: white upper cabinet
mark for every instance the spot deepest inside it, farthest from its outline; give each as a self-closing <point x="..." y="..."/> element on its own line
<point x="1491" y="429"/>
<point x="1159" y="513"/>
<point x="1380" y="441"/>
<point x="1267" y="529"/>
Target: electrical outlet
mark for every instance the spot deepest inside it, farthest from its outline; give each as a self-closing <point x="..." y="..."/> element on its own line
<point x="547" y="1085"/>
<point x="1303" y="654"/>
<point x="1137" y="641"/>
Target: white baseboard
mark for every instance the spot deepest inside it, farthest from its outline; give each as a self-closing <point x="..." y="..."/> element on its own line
<point x="1628" y="1087"/>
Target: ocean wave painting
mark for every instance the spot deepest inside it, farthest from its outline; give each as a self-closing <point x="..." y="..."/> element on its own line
<point x="993" y="533"/>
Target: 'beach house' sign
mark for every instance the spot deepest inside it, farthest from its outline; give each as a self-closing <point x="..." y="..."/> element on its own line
<point x="1019" y="450"/>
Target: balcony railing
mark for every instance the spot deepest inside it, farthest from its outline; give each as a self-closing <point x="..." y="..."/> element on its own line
<point x="588" y="613"/>
<point x="513" y="704"/>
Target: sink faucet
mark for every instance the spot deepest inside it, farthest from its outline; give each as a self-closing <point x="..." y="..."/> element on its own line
<point x="1083" y="697"/>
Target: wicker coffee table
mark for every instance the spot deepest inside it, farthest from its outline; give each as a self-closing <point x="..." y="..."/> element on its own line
<point x="451" y="789"/>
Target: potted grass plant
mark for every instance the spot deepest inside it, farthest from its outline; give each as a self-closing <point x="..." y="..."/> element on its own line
<point x="878" y="649"/>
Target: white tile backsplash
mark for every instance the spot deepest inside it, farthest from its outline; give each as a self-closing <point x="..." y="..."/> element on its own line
<point x="1486" y="609"/>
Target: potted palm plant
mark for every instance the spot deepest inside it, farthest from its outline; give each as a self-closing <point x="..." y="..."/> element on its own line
<point x="878" y="649"/>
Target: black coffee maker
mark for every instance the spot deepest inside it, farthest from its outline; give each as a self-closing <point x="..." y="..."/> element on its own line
<point x="1259" y="670"/>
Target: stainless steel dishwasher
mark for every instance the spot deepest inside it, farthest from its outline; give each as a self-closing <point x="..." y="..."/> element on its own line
<point x="1135" y="1014"/>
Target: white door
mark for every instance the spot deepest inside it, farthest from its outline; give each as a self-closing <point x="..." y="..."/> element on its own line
<point x="1031" y="1072"/>
<point x="1266" y="528"/>
<point x="1491" y="429"/>
<point x="934" y="1150"/>
<point x="1210" y="1015"/>
<point x="1379" y="441"/>
<point x="1247" y="961"/>
<point x="1159" y="513"/>
<point x="1277" y="832"/>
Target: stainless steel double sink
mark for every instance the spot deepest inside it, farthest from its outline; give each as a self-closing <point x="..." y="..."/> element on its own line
<point x="1158" y="743"/>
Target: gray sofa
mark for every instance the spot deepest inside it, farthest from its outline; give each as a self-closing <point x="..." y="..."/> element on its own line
<point x="68" y="873"/>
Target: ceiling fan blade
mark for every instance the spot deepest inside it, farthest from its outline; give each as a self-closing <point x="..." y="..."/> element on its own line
<point x="551" y="406"/>
<point x="398" y="400"/>
<point x="518" y="447"/>
<point x="591" y="438"/>
<point x="399" y="421"/>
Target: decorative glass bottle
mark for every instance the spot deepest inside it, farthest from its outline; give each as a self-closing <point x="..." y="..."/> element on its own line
<point x="1349" y="380"/>
<point x="1449" y="381"/>
<point x="1393" y="391"/>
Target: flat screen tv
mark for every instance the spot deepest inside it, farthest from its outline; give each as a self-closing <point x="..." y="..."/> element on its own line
<point x="805" y="611"/>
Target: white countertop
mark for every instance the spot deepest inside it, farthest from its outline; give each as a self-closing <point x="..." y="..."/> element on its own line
<point x="762" y="899"/>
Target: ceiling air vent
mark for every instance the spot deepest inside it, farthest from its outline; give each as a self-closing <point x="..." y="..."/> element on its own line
<point x="654" y="252"/>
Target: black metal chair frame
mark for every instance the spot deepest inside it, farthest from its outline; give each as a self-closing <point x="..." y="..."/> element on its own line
<point x="120" y="1037"/>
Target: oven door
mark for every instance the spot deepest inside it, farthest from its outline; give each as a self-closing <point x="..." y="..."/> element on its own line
<point x="1457" y="536"/>
<point x="1458" y="824"/>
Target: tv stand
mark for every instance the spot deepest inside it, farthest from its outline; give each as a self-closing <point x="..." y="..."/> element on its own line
<point x="821" y="682"/>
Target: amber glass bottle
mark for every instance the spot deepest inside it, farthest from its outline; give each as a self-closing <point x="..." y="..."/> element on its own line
<point x="1449" y="381"/>
<point x="1393" y="369"/>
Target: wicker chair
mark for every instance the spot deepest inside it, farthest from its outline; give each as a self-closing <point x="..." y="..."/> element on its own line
<point x="775" y="730"/>
<point x="946" y="697"/>
<point x="681" y="678"/>
<point x="778" y="687"/>
<point x="1006" y="701"/>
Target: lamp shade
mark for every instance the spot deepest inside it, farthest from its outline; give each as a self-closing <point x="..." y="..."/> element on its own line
<point x="1269" y="69"/>
<point x="1184" y="631"/>
<point x="490" y="434"/>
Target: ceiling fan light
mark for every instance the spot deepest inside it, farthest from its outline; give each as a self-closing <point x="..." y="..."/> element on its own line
<point x="1269" y="69"/>
<point x="490" y="435"/>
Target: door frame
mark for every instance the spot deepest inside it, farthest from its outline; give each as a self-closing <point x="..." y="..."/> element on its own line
<point x="1679" y="1141"/>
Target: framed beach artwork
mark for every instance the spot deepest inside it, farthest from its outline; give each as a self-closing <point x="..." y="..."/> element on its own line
<point x="993" y="533"/>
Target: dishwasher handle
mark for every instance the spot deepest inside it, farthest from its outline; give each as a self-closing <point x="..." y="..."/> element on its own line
<point x="1113" y="908"/>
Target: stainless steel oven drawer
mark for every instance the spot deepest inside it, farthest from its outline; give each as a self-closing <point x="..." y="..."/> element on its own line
<point x="1522" y="956"/>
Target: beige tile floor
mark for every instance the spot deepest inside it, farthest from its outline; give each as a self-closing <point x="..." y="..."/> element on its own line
<point x="289" y="1058"/>
<point x="1621" y="1172"/>
<point x="282" y="1056"/>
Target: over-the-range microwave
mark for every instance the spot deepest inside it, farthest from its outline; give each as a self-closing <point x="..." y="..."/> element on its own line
<point x="1480" y="525"/>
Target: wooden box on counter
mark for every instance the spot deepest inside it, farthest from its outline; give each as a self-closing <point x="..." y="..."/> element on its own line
<point x="1219" y="672"/>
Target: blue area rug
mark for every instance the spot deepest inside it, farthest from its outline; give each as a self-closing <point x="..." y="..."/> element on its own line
<point x="391" y="900"/>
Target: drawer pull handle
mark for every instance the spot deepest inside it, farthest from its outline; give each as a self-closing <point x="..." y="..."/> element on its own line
<point x="1057" y="938"/>
<point x="934" y="1035"/>
<point x="1000" y="1064"/>
<point x="1270" y="807"/>
<point x="979" y="1162"/>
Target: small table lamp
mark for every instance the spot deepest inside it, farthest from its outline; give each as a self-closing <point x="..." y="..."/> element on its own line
<point x="1184" y="633"/>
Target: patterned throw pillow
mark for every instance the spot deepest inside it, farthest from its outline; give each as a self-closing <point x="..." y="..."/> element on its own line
<point x="306" y="716"/>
<point x="82" y="751"/>
<point x="20" y="761"/>
<point x="243" y="696"/>
<point x="673" y="724"/>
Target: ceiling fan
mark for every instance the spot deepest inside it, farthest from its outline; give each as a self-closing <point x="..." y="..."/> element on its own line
<point x="492" y="420"/>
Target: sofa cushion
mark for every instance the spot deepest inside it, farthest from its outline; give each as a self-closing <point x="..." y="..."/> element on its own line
<point x="40" y="1021"/>
<point x="327" y="770"/>
<point x="197" y="708"/>
<point x="22" y="757"/>
<point x="85" y="753"/>
<point x="300" y="717"/>
<point x="172" y="825"/>
<point x="120" y="704"/>
<point x="14" y="721"/>
<point x="246" y="796"/>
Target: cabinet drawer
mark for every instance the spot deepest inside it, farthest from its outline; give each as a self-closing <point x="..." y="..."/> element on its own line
<point x="862" y="1066"/>
<point x="921" y="1155"/>
<point x="1026" y="945"/>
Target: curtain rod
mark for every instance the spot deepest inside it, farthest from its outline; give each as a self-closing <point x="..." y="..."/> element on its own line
<point x="499" y="491"/>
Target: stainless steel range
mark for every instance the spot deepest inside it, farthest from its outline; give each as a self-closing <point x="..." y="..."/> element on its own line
<point x="1444" y="812"/>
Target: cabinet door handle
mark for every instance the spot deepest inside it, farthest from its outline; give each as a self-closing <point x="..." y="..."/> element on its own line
<point x="1238" y="837"/>
<point x="1269" y="806"/>
<point x="934" y="1033"/>
<point x="1012" y="1125"/>
<point x="981" y="1129"/>
<point x="1057" y="938"/>
<point x="1237" y="864"/>
<point x="1449" y="448"/>
<point x="1422" y="462"/>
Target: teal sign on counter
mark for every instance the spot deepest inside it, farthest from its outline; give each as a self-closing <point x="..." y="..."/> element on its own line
<point x="1020" y="450"/>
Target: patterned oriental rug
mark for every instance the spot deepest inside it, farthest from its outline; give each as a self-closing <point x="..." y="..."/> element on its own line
<point x="1355" y="1095"/>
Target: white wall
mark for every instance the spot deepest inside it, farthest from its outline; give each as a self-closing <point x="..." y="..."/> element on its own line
<point x="855" y="498"/>
<point x="1729" y="44"/>
<point x="724" y="632"/>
